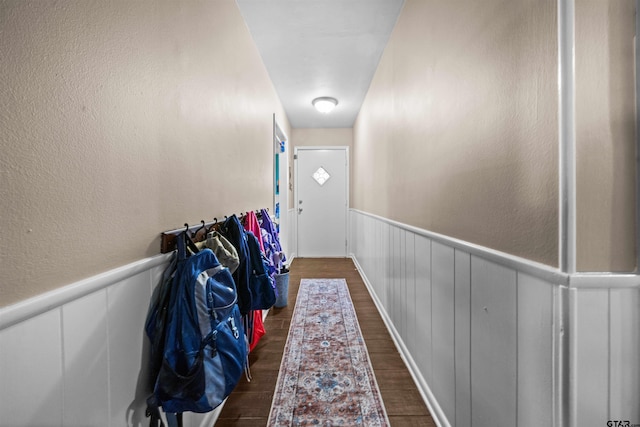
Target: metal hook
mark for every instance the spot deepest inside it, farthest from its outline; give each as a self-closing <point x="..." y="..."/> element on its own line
<point x="212" y="226"/>
<point x="202" y="227"/>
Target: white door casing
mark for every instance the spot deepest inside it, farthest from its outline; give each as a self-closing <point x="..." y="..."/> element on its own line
<point x="321" y="201"/>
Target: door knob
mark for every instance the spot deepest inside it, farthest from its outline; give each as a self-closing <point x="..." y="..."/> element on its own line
<point x="299" y="211"/>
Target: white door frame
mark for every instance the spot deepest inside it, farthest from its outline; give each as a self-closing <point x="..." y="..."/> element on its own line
<point x="637" y="136"/>
<point x="283" y="198"/>
<point x="296" y="197"/>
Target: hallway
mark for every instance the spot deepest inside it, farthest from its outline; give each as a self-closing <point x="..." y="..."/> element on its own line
<point x="249" y="404"/>
<point x="493" y="204"/>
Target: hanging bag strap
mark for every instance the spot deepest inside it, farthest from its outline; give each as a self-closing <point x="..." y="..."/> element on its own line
<point x="173" y="419"/>
<point x="184" y="242"/>
<point x="180" y="243"/>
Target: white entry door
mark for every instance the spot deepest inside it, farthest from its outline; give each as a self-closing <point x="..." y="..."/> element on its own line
<point x="322" y="201"/>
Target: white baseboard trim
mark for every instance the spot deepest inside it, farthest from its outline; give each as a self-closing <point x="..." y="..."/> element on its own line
<point x="427" y="395"/>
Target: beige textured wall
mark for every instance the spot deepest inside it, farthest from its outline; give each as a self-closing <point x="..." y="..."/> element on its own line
<point x="305" y="137"/>
<point x="458" y="132"/>
<point x="121" y="120"/>
<point x="605" y="123"/>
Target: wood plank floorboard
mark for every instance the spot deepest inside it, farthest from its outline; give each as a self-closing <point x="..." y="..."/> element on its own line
<point x="250" y="402"/>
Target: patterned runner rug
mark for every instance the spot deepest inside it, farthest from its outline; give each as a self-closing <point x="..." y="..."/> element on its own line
<point x="325" y="377"/>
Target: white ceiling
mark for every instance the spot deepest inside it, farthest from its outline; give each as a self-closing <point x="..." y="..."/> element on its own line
<point x="315" y="48"/>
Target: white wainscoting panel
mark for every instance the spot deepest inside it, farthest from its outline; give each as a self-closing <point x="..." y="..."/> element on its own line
<point x="86" y="363"/>
<point x="463" y="338"/>
<point x="493" y="340"/>
<point x="82" y="362"/>
<point x="31" y="385"/>
<point x="372" y="256"/>
<point x="605" y="368"/>
<point x="393" y="291"/>
<point x="590" y="358"/>
<point x="383" y="281"/>
<point x="493" y="344"/>
<point x="127" y="309"/>
<point x="401" y="292"/>
<point x="379" y="261"/>
<point x="390" y="276"/>
<point x="624" y="326"/>
<point x="412" y="305"/>
<point x="443" y="327"/>
<point x="475" y="326"/>
<point x="423" y="339"/>
<point x="535" y="351"/>
<point x="624" y="398"/>
<point x="385" y="284"/>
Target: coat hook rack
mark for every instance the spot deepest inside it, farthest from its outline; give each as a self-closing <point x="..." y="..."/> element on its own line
<point x="168" y="239"/>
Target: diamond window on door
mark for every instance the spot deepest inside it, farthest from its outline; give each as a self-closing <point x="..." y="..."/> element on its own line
<point x="321" y="176"/>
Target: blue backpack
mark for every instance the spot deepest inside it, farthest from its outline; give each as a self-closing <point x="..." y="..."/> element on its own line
<point x="255" y="288"/>
<point x="263" y="294"/>
<point x="204" y="352"/>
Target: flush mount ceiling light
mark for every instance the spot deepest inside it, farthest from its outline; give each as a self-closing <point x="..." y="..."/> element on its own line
<point x="325" y="104"/>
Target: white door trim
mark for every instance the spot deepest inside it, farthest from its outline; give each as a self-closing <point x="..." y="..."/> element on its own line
<point x="285" y="227"/>
<point x="637" y="135"/>
<point x="344" y="148"/>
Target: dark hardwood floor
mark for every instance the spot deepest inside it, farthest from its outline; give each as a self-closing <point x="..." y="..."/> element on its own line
<point x="249" y="404"/>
